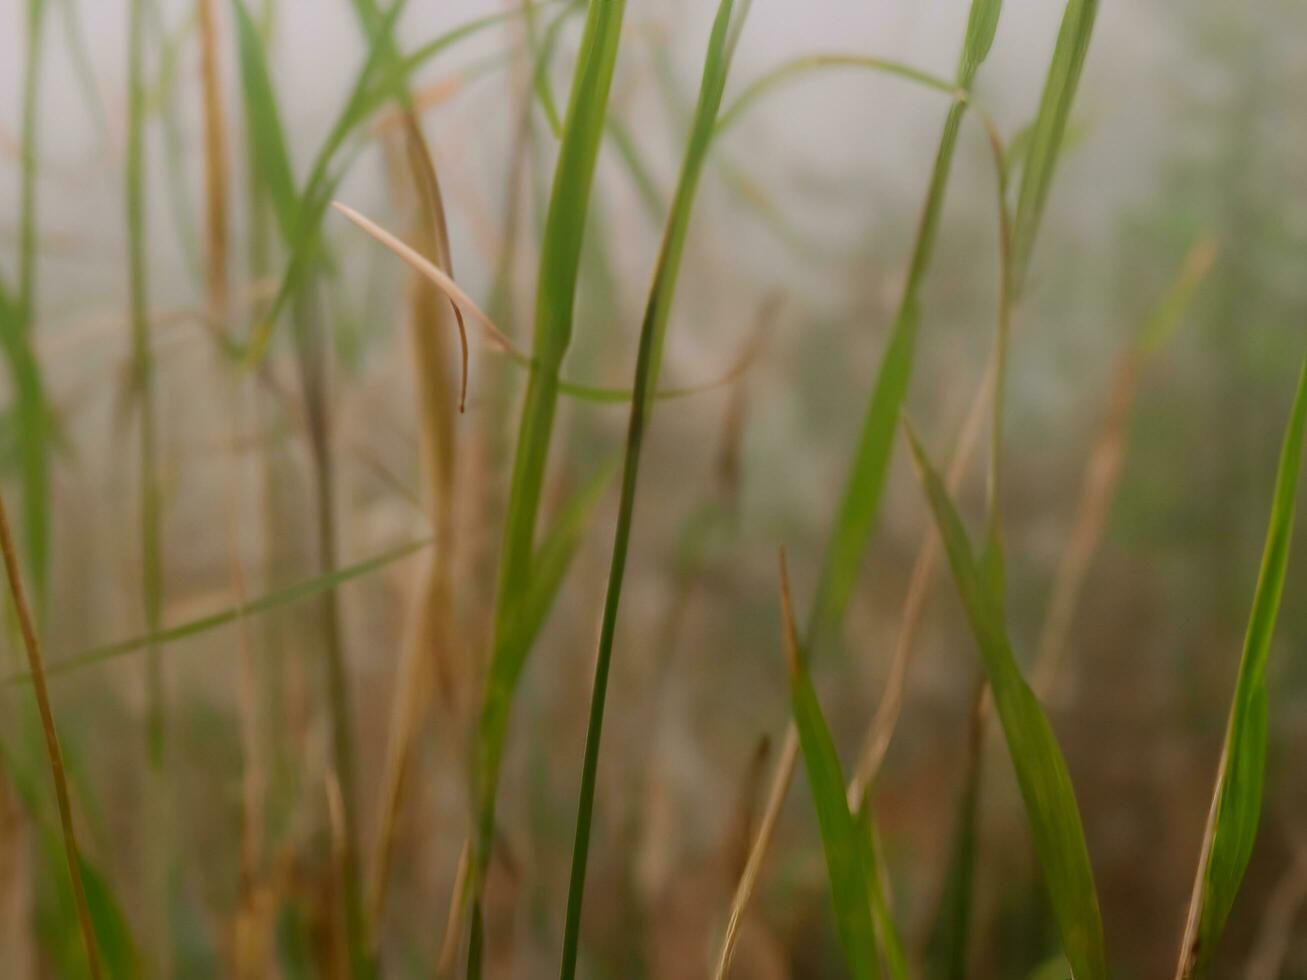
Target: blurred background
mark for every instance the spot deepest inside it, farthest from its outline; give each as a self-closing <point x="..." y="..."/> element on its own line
<point x="1186" y="163"/>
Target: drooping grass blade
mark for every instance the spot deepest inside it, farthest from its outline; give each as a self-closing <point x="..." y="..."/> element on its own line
<point x="1041" y="770"/>
<point x="1237" y="802"/>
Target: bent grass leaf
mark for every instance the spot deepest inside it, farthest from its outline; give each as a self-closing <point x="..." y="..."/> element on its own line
<point x="1236" y="804"/>
<point x="1041" y="770"/>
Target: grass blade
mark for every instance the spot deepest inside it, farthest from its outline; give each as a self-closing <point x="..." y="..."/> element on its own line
<point x="34" y="663"/>
<point x="290" y="595"/>
<point x="1237" y="802"/>
<point x="265" y="132"/>
<point x="873" y="870"/>
<point x="947" y="946"/>
<point x="653" y="333"/>
<point x="1041" y="771"/>
<point x="1049" y="129"/>
<point x="1103" y="469"/>
<point x="862" y="494"/>
<point x="846" y="857"/>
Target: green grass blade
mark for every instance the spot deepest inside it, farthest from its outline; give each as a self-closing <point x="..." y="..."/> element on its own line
<point x="653" y="333"/>
<point x="847" y="860"/>
<point x="866" y="482"/>
<point x="555" y="302"/>
<point x="265" y="132"/>
<point x="803" y="66"/>
<point x="887" y="933"/>
<point x="1041" y="770"/>
<point x="203" y="624"/>
<point x="1047" y="134"/>
<point x="1236" y="805"/>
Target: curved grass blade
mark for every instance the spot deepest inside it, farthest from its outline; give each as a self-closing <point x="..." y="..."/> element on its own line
<point x="380" y="80"/>
<point x="847" y="859"/>
<point x="1041" y="770"/>
<point x="1237" y="802"/>
<point x="1046" y="136"/>
<point x="653" y="332"/>
<point x="203" y="624"/>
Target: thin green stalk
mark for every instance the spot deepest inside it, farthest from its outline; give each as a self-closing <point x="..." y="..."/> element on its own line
<point x="648" y="364"/>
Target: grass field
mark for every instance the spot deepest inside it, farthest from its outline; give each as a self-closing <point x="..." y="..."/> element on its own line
<point x="630" y="489"/>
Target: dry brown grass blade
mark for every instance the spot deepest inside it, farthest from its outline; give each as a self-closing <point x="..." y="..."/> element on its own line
<point x="761" y="844"/>
<point x="457" y="909"/>
<point x="883" y="722"/>
<point x="1097" y="492"/>
<point x="1103" y="471"/>
<point x="427" y="97"/>
<point x="252" y="924"/>
<point x="215" y="159"/>
<point x="37" y="667"/>
<point x="430" y="629"/>
<point x="441" y="279"/>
